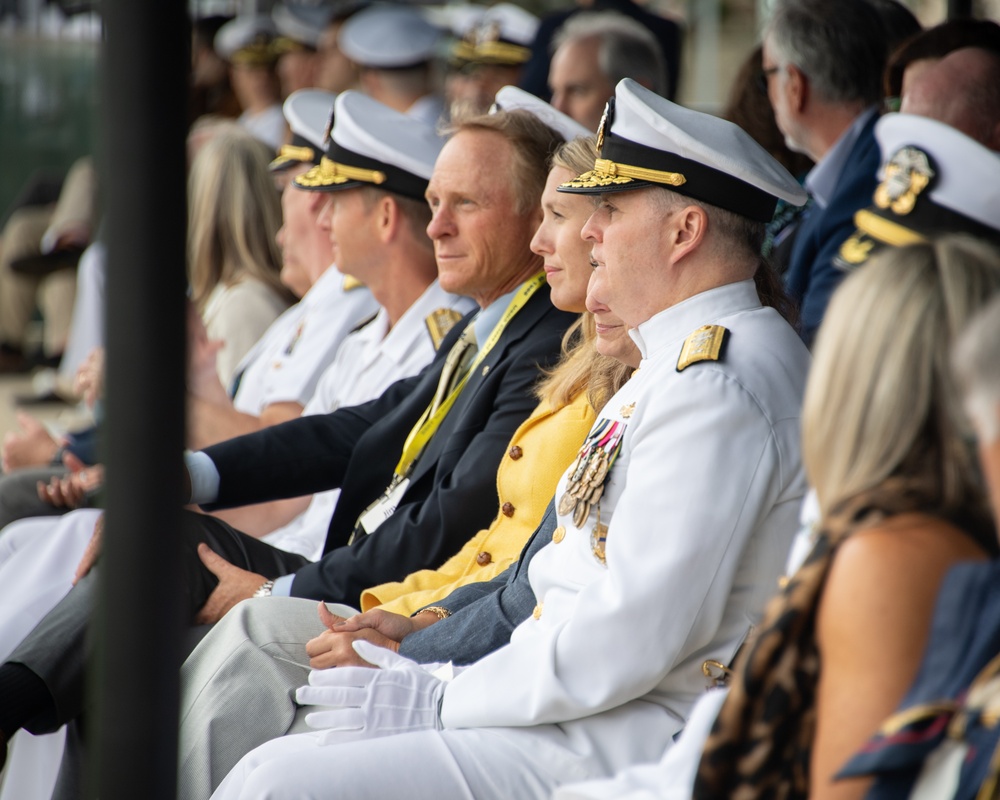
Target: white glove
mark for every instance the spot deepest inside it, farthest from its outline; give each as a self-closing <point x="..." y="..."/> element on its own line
<point x="368" y="703"/>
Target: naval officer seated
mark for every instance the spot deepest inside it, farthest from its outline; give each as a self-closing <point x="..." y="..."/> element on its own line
<point x="678" y="512"/>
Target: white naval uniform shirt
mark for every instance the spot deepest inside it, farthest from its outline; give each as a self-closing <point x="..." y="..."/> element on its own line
<point x="367" y="362"/>
<point x="286" y="363"/>
<point x="701" y="507"/>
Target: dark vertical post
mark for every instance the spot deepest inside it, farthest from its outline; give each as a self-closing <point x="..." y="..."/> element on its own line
<point x="132" y="742"/>
<point x="959" y="8"/>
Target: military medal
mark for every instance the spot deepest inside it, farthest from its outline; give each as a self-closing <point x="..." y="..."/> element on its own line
<point x="598" y="537"/>
<point x="295" y="339"/>
<point x="588" y="473"/>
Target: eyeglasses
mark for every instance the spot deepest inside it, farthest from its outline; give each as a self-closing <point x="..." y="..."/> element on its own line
<point x="762" y="77"/>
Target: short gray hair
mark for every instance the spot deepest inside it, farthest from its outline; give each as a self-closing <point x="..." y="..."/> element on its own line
<point x="976" y="358"/>
<point x="743" y="235"/>
<point x="838" y="44"/>
<point x="626" y="49"/>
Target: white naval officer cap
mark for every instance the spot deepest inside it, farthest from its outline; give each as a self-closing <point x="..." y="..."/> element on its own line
<point x="248" y="39"/>
<point x="372" y="145"/>
<point x="459" y="19"/>
<point x="934" y="179"/>
<point x="307" y="113"/>
<point x="511" y="98"/>
<point x="301" y="23"/>
<point x="502" y="36"/>
<point x="388" y="37"/>
<point x="645" y="140"/>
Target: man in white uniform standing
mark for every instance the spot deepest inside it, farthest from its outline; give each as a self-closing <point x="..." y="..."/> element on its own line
<point x="674" y="522"/>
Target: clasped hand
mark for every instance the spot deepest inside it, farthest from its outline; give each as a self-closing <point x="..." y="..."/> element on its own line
<point x="332" y="648"/>
<point x="364" y="703"/>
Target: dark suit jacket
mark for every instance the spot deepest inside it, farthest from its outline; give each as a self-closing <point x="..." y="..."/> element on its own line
<point x="452" y="491"/>
<point x="812" y="276"/>
<point x="483" y="613"/>
<point x="535" y="77"/>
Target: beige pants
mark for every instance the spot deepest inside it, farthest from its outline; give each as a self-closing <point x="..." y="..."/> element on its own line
<point x="53" y="294"/>
<point x="238" y="687"/>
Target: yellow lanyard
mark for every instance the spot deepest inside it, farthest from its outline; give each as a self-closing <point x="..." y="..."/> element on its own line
<point x="428" y="424"/>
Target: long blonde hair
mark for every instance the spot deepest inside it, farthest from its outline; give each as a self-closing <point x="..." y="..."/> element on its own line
<point x="881" y="402"/>
<point x="233" y="215"/>
<point x="581" y="367"/>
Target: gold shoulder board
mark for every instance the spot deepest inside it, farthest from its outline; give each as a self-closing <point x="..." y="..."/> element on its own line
<point x="705" y="344"/>
<point x="439" y="322"/>
<point x="350" y="282"/>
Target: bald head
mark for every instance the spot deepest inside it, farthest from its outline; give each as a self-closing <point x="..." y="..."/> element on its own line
<point x="962" y="90"/>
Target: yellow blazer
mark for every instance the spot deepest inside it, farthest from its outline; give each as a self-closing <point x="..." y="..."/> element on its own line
<point x="539" y="453"/>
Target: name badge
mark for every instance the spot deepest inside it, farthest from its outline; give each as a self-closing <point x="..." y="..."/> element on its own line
<point x="383" y="508"/>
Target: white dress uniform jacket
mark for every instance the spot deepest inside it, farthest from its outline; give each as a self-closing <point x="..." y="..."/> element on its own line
<point x="287" y="362"/>
<point x="368" y="361"/>
<point x="701" y="508"/>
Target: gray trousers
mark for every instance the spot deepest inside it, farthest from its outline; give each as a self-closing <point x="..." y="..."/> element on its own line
<point x="19" y="494"/>
<point x="238" y="687"/>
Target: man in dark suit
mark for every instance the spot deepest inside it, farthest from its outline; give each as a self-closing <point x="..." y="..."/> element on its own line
<point x="416" y="466"/>
<point x="822" y="63"/>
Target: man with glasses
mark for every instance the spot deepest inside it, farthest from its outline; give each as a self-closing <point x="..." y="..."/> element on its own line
<point x="822" y="68"/>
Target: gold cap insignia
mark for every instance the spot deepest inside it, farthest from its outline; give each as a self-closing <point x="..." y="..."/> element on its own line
<point x="487" y="33"/>
<point x="291" y="152"/>
<point x="907" y="174"/>
<point x="333" y="173"/>
<point x="705" y="344"/>
<point x="350" y="283"/>
<point x="606" y="119"/>
<point x="607" y="172"/>
<point x="855" y="250"/>
<point x="439" y="322"/>
<point x="328" y="130"/>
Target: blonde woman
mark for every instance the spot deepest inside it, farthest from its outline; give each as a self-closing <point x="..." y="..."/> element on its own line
<point x="885" y="446"/>
<point x="233" y="260"/>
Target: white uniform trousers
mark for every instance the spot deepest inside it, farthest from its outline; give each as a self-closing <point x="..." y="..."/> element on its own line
<point x="471" y="764"/>
<point x="672" y="777"/>
<point x="38" y="557"/>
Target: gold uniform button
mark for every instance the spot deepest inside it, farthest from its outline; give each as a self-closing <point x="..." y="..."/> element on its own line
<point x="484" y="558"/>
<point x="486" y="370"/>
<point x="515" y="452"/>
<point x="559" y="534"/>
<point x="537" y="613"/>
<point x="507" y="509"/>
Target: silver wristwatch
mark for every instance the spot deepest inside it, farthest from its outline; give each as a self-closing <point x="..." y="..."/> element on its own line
<point x="265" y="589"/>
